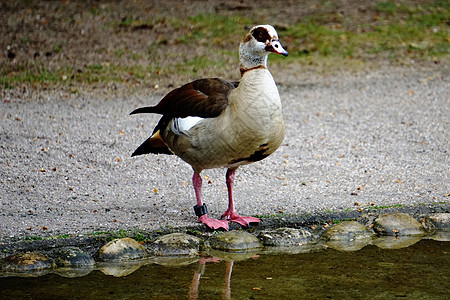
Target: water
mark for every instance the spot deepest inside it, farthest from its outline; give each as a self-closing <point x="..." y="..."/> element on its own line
<point x="420" y="271"/>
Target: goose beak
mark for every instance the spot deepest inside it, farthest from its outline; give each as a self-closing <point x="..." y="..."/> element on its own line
<point x="275" y="47"/>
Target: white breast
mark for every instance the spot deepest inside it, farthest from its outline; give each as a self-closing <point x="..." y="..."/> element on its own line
<point x="257" y="96"/>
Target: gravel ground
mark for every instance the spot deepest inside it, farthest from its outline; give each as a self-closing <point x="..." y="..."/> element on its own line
<point x="371" y="138"/>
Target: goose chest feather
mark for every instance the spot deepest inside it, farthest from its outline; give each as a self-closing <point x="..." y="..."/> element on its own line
<point x="249" y="129"/>
<point x="213" y="123"/>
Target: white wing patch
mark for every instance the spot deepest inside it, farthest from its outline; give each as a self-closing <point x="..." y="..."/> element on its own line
<point x="182" y="125"/>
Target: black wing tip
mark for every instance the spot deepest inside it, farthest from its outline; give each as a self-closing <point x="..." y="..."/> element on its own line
<point x="143" y="110"/>
<point x="154" y="150"/>
<point x="140" y="151"/>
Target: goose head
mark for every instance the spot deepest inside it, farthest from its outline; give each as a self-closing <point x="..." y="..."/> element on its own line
<point x="259" y="42"/>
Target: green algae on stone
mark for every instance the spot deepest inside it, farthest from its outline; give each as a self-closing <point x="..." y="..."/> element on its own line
<point x="122" y="249"/>
<point x="25" y="262"/>
<point x="348" y="230"/>
<point x="234" y="241"/>
<point x="176" y="244"/>
<point x="72" y="257"/>
<point x="348" y="236"/>
<point x="285" y="237"/>
<point x="398" y="224"/>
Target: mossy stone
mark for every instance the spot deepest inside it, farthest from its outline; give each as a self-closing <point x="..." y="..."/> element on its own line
<point x="122" y="249"/>
<point x="234" y="241"/>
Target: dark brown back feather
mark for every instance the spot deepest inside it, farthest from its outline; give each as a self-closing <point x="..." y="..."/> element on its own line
<point x="204" y="98"/>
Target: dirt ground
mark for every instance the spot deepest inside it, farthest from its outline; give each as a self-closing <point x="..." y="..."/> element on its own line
<point x="368" y="137"/>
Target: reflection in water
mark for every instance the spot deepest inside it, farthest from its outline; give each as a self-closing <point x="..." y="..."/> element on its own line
<point x="227" y="286"/>
<point x="419" y="271"/>
<point x="120" y="269"/>
<point x="396" y="242"/>
<point x="226" y="292"/>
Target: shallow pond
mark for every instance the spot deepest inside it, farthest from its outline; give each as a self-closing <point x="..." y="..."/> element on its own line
<point x="420" y="271"/>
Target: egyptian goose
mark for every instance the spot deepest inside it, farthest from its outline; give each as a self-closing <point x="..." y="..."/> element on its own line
<point x="213" y="123"/>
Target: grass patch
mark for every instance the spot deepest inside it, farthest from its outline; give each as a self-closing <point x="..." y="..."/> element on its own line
<point x="393" y="31"/>
<point x="32" y="73"/>
<point x="400" y="31"/>
<point x="91" y="74"/>
<point x="197" y="63"/>
<point x="119" y="234"/>
<point x="214" y="28"/>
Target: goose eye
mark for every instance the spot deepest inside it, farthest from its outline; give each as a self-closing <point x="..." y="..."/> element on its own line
<point x="261" y="35"/>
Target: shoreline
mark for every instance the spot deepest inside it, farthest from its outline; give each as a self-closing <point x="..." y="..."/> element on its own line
<point x="91" y="242"/>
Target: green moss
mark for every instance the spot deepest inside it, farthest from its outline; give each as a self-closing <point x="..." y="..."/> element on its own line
<point x="338" y="221"/>
<point x="33" y="238"/>
<point x="385" y="206"/>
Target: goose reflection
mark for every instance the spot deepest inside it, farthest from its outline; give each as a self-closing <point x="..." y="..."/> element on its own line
<point x="200" y="270"/>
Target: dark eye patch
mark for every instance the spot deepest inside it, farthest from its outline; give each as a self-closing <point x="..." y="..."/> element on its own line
<point x="261" y="34"/>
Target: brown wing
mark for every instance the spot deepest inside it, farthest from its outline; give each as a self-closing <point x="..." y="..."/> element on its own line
<point x="204" y="98"/>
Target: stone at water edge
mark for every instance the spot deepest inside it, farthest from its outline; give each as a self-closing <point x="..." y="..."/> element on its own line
<point x="176" y="244"/>
<point x="122" y="249"/>
<point x="348" y="236"/>
<point x="23" y="262"/>
<point x="348" y="231"/>
<point x="234" y="241"/>
<point x="72" y="257"/>
<point x="397" y="224"/>
<point x="440" y="221"/>
<point x="285" y="237"/>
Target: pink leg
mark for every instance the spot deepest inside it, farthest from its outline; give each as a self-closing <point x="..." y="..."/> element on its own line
<point x="231" y="213"/>
<point x="211" y="223"/>
<point x="226" y="292"/>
